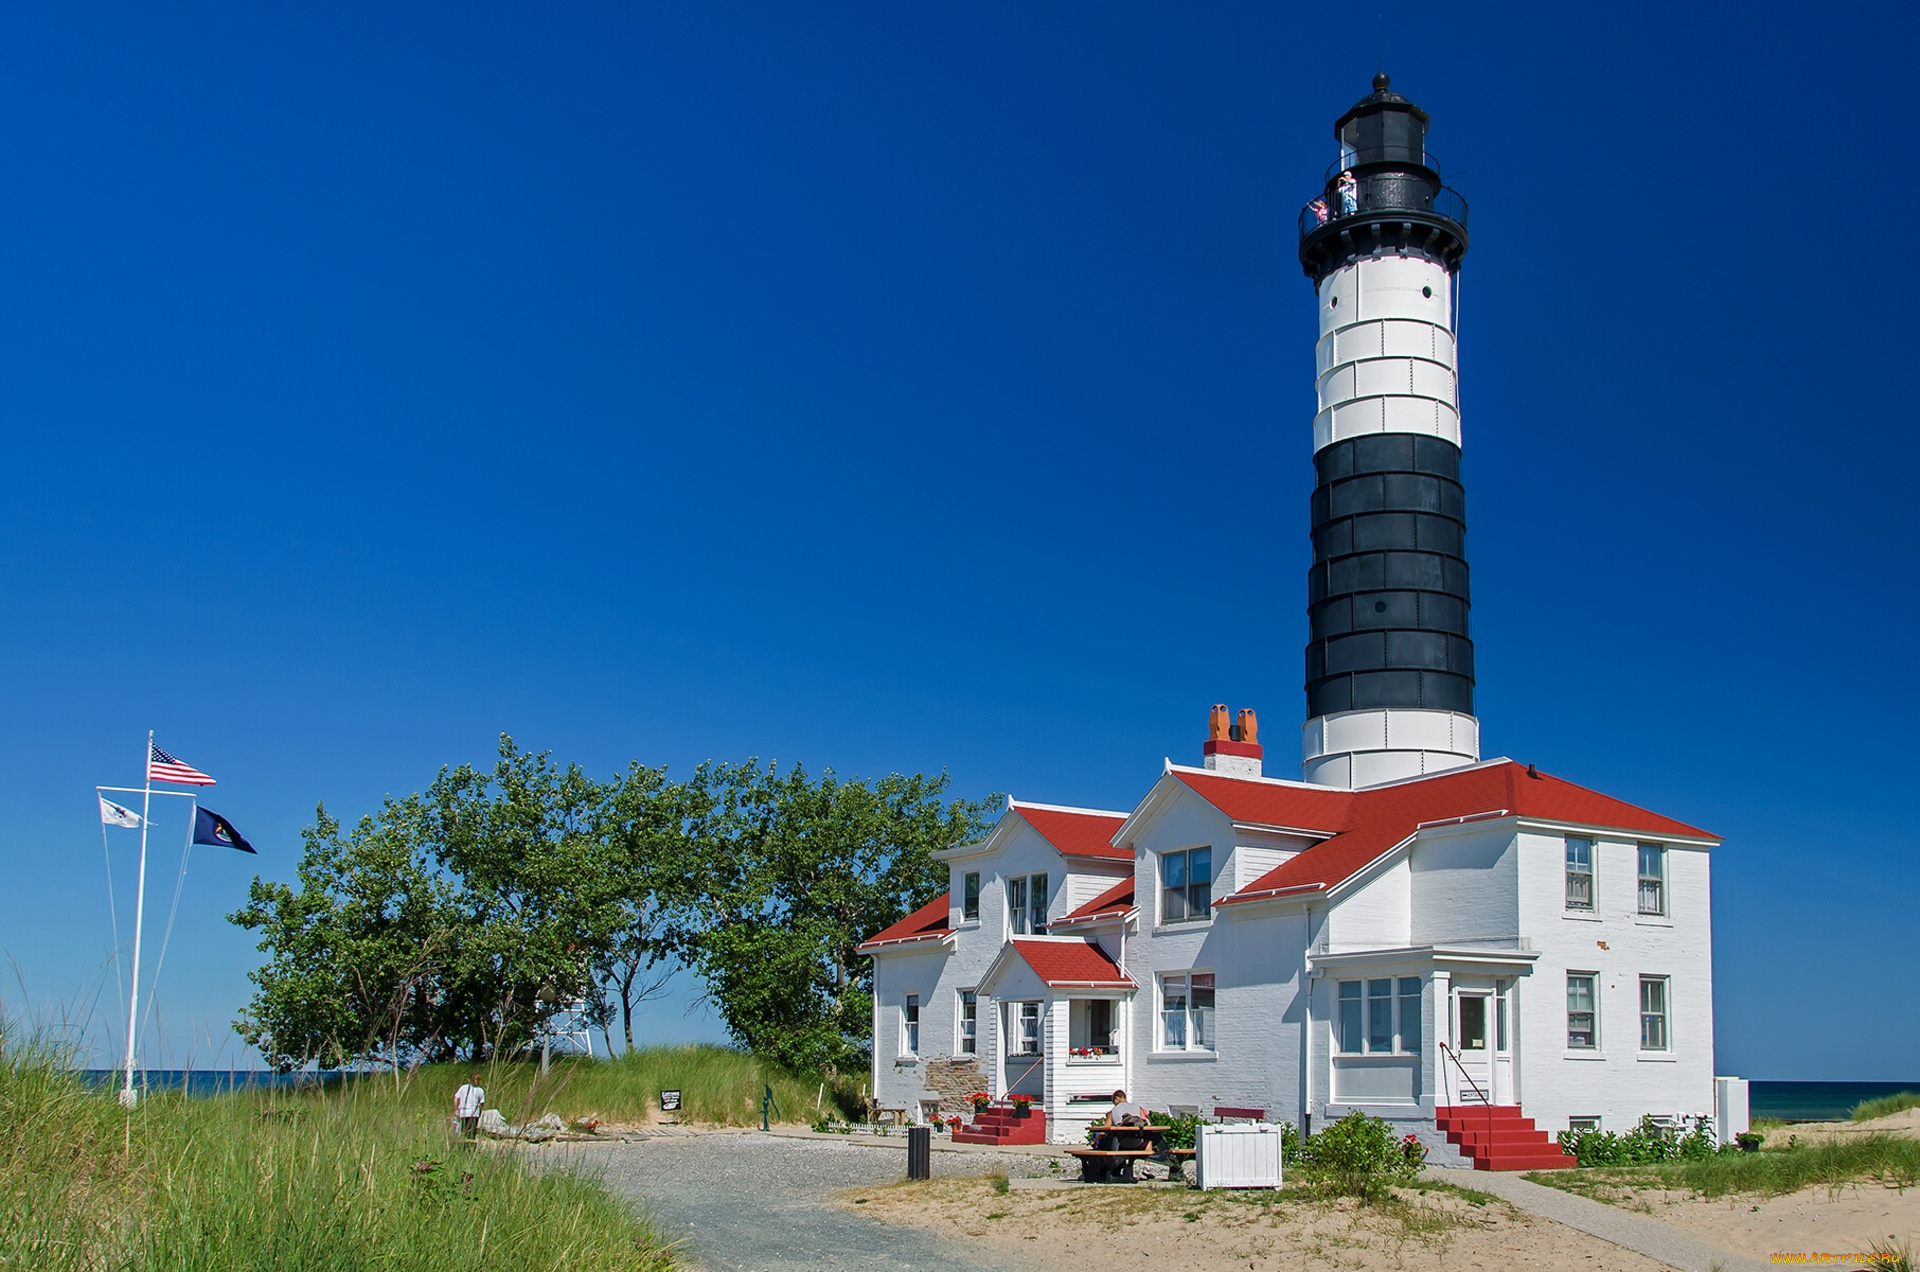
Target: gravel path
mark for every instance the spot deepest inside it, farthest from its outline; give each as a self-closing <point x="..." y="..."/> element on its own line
<point x="761" y="1203"/>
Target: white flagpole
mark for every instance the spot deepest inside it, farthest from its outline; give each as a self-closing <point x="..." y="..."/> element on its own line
<point x="128" y="1097"/>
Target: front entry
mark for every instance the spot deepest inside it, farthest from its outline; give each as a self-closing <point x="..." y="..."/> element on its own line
<point x="1024" y="1031"/>
<point x="1471" y="1082"/>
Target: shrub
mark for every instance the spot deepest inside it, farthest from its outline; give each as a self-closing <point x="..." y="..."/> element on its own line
<point x="1358" y="1156"/>
<point x="1647" y="1144"/>
<point x="1181" y="1131"/>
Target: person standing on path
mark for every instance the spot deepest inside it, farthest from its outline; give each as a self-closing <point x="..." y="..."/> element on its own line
<point x="467" y="1103"/>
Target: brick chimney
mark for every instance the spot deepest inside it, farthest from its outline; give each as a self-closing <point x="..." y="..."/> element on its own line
<point x="1232" y="750"/>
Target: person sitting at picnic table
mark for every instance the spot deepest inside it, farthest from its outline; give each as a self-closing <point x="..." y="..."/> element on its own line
<point x="1123" y="1114"/>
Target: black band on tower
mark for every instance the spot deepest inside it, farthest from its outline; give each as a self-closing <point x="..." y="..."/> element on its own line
<point x="1387" y="597"/>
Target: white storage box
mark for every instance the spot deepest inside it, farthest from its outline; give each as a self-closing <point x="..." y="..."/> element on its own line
<point x="1238" y="1156"/>
<point x="1729" y="1108"/>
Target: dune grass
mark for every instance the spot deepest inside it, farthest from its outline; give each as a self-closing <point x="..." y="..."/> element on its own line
<point x="359" y="1177"/>
<point x="1886" y="1105"/>
<point x="1831" y="1164"/>
<point x="718" y="1086"/>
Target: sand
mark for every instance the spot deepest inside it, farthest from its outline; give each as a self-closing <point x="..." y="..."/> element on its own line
<point x="1902" y="1125"/>
<point x="1813" y="1220"/>
<point x="1119" y="1227"/>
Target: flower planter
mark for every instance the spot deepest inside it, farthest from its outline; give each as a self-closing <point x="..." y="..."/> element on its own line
<point x="1021" y="1112"/>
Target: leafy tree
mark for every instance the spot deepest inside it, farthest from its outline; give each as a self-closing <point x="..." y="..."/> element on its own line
<point x="798" y="873"/>
<point x="648" y="882"/>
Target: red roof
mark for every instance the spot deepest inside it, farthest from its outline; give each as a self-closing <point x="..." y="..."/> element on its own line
<point x="1115" y="900"/>
<point x="1367" y="823"/>
<point x="1072" y="964"/>
<point x="928" y="923"/>
<point x="1077" y="834"/>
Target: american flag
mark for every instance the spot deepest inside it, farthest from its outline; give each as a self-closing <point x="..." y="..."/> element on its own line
<point x="162" y="767"/>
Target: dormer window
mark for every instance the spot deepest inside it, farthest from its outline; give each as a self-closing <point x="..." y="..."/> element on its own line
<point x="1186" y="885"/>
<point x="1027" y="905"/>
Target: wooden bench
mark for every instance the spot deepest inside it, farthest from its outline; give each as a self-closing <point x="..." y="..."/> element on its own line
<point x="1108" y="1165"/>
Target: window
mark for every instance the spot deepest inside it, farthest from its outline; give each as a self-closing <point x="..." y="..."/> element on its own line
<point x="1473" y="1022"/>
<point x="1186" y="885"/>
<point x="1653" y="1013"/>
<point x="1023" y="1025"/>
<point x="910" y="1026"/>
<point x="1027" y="905"/>
<point x="1579" y="873"/>
<point x="969" y="1023"/>
<point x="970" y="896"/>
<point x="1186" y="1012"/>
<point x="1090" y="1029"/>
<point x="1373" y="1019"/>
<point x="1653" y="879"/>
<point x="1499" y="1020"/>
<point x="1582" y="1011"/>
<point x="1583" y="1123"/>
<point x="1380" y="1015"/>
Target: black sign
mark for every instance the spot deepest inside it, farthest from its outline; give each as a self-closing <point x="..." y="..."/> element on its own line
<point x="669" y="1101"/>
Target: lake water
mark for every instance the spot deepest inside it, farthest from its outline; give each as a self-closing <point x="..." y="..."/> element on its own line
<point x="1816" y="1101"/>
<point x="207" y="1081"/>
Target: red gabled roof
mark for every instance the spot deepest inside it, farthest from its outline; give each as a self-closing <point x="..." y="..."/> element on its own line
<point x="1077" y="834"/>
<point x="928" y="923"/>
<point x="1114" y="901"/>
<point x="1367" y="823"/>
<point x="1072" y="964"/>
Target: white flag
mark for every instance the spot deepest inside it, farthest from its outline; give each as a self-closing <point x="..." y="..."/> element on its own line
<point x="111" y="814"/>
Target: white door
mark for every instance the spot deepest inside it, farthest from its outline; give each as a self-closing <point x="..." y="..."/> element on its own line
<point x="1503" y="1030"/>
<point x="1471" y="1080"/>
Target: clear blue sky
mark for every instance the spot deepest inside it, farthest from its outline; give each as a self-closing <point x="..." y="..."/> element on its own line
<point x="889" y="389"/>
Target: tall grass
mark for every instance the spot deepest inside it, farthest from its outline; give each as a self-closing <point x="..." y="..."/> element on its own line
<point x="358" y="1178"/>
<point x="718" y="1087"/>
<point x="1831" y="1164"/>
<point x="1886" y="1105"/>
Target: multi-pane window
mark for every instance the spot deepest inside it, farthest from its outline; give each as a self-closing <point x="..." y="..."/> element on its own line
<point x="1653" y="1013"/>
<point x="970" y="895"/>
<point x="1186" y="885"/>
<point x="1374" y="1019"/>
<point x="1579" y="873"/>
<point x="1027" y="905"/>
<point x="1583" y="1012"/>
<point x="910" y="1026"/>
<point x="969" y="1023"/>
<point x="1186" y="1012"/>
<point x="1653" y="879"/>
<point x="1025" y="1028"/>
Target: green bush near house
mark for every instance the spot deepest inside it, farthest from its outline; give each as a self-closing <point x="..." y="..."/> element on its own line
<point x="1357" y="1156"/>
<point x="1831" y="1164"/>
<point x="1644" y="1145"/>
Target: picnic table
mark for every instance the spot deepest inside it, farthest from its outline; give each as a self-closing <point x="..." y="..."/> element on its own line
<point x="1106" y="1161"/>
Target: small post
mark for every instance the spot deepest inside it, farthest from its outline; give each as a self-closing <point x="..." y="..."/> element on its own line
<point x="766" y="1103"/>
<point x="919" y="1152"/>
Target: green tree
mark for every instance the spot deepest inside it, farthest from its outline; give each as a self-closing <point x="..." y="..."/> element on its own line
<point x="797" y="873"/>
<point x="647" y="880"/>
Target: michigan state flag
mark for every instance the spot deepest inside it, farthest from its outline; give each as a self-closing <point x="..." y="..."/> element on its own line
<point x="211" y="828"/>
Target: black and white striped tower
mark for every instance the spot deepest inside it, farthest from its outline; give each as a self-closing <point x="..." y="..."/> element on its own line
<point x="1389" y="660"/>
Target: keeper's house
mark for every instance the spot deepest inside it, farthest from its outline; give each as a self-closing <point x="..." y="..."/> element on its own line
<point x="1410" y="930"/>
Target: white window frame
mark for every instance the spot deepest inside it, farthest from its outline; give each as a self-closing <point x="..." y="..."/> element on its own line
<point x="1077" y="1005"/>
<point x="1658" y="880"/>
<point x="1664" y="1017"/>
<point x="1162" y="888"/>
<point x="1587" y="1123"/>
<point x="1021" y="918"/>
<point x="1402" y="1000"/>
<point x="1192" y="1020"/>
<point x="1592" y="854"/>
<point x="1593" y="995"/>
<point x="970" y="897"/>
<point x="1016" y="1016"/>
<point x="967" y="1040"/>
<point x="910" y="1026"/>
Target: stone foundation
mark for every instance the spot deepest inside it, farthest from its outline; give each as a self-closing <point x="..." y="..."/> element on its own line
<point x="954" y="1081"/>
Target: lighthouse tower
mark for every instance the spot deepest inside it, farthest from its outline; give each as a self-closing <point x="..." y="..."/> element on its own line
<point x="1389" y="659"/>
